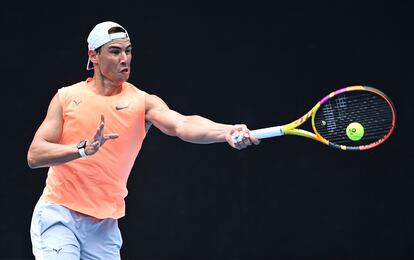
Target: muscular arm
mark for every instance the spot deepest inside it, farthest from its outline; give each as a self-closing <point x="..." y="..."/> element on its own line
<point x="45" y="149"/>
<point x="195" y="129"/>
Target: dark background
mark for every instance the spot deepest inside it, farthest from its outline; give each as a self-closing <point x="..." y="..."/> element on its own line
<point x="234" y="62"/>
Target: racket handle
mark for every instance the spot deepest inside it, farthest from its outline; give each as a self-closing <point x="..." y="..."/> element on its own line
<point x="267" y="132"/>
<point x="261" y="133"/>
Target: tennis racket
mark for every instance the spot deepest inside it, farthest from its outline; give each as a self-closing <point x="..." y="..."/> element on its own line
<point x="354" y="118"/>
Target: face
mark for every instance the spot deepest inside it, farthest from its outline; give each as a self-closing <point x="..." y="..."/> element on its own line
<point x="114" y="60"/>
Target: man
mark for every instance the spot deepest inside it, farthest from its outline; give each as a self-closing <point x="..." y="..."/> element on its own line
<point x="89" y="139"/>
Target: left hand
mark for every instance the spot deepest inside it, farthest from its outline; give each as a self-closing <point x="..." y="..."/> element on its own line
<point x="244" y="138"/>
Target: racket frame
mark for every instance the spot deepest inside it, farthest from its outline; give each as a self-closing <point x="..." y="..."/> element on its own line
<point x="291" y="128"/>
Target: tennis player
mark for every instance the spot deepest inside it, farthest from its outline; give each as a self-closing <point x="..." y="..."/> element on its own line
<point x="89" y="139"/>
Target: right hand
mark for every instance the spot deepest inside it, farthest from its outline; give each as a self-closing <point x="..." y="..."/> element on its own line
<point x="99" y="139"/>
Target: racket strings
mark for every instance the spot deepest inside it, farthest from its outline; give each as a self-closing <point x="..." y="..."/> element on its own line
<point x="371" y="110"/>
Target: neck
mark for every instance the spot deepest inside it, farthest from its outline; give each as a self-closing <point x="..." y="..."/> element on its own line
<point x="105" y="87"/>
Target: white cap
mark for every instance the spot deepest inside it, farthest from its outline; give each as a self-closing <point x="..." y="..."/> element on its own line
<point x="100" y="35"/>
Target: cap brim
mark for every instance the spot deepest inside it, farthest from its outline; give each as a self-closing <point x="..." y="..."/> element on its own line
<point x="89" y="66"/>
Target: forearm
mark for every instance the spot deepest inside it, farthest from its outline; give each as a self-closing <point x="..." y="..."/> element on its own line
<point x="45" y="154"/>
<point x="197" y="129"/>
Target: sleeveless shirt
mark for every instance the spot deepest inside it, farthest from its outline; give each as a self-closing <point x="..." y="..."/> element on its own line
<point x="97" y="185"/>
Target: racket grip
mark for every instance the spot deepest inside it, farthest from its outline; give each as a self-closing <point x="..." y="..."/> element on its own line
<point x="267" y="132"/>
<point x="261" y="133"/>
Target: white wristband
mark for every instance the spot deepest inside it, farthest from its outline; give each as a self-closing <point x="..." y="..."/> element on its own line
<point x="82" y="152"/>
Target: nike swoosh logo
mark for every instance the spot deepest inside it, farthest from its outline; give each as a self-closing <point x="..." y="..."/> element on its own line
<point x="121" y="107"/>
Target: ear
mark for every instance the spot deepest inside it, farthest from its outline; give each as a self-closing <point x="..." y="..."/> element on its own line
<point x="93" y="56"/>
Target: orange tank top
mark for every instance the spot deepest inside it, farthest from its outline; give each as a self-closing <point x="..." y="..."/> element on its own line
<point x="97" y="185"/>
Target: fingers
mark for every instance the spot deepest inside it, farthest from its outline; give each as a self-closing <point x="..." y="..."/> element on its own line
<point x="110" y="136"/>
<point x="242" y="141"/>
<point x="99" y="138"/>
<point x="254" y="139"/>
<point x="95" y="146"/>
<point x="241" y="137"/>
<point x="100" y="128"/>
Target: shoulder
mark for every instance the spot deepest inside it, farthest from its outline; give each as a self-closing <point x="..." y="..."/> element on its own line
<point x="72" y="88"/>
<point x="129" y="87"/>
<point x="154" y="101"/>
<point x="151" y="100"/>
<point x="67" y="93"/>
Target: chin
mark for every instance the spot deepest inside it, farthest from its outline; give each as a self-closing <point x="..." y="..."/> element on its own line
<point x="124" y="77"/>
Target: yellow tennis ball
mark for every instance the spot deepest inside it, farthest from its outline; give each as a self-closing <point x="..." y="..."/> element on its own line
<point x="355" y="131"/>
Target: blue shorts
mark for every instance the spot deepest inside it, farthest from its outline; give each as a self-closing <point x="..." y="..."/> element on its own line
<point x="60" y="233"/>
